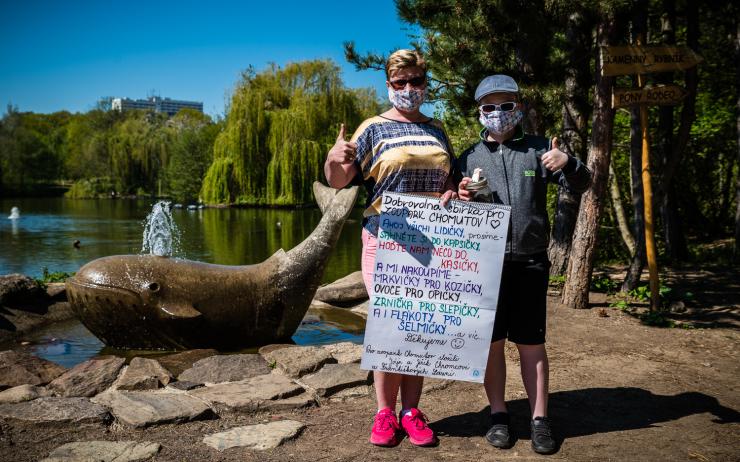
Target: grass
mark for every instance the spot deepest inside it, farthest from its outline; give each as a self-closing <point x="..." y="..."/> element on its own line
<point x="48" y="277"/>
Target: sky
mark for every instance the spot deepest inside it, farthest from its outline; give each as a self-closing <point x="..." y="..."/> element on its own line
<point x="66" y="55"/>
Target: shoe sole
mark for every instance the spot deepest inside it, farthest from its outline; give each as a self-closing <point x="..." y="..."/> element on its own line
<point x="546" y="452"/>
<point x="424" y="444"/>
<point x="383" y="444"/>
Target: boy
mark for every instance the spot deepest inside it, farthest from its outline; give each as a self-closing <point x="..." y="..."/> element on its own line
<point x="518" y="167"/>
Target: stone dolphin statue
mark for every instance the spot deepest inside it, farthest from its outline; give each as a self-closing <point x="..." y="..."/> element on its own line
<point x="152" y="302"/>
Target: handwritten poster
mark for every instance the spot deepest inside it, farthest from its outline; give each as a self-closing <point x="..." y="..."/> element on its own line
<point x="435" y="287"/>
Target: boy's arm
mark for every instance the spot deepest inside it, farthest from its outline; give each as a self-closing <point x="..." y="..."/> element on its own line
<point x="565" y="170"/>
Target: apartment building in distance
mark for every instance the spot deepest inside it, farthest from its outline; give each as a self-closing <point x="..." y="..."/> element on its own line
<point x="156" y="104"/>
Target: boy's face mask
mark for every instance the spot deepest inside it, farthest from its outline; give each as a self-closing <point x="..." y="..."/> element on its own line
<point x="500" y="122"/>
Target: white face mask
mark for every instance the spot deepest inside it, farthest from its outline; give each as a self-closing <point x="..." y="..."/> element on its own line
<point x="407" y="100"/>
<point x="500" y="122"/>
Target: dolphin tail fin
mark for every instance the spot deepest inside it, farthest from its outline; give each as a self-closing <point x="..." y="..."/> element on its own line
<point x="338" y="202"/>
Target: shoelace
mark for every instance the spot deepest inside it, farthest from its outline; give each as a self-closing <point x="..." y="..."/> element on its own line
<point x="543" y="430"/>
<point x="419" y="420"/>
<point x="384" y="422"/>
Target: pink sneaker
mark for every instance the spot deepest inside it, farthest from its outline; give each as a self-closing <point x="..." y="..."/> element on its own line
<point x="415" y="425"/>
<point x="385" y="428"/>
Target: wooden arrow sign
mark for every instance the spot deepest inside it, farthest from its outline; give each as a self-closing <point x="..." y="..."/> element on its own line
<point x="622" y="60"/>
<point x="655" y="95"/>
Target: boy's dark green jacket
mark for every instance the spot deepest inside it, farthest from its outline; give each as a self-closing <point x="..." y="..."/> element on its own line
<point x="517" y="178"/>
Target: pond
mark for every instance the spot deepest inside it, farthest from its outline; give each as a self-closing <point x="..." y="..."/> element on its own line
<point x="44" y="234"/>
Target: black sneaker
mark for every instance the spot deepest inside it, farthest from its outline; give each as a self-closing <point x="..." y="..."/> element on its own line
<point x="498" y="434"/>
<point x="542" y="439"/>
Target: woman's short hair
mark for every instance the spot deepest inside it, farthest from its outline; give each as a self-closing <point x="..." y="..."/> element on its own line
<point x="401" y="59"/>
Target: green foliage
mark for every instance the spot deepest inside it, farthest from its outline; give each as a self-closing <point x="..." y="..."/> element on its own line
<point x="281" y="123"/>
<point x="91" y="188"/>
<point x="641" y="293"/>
<point x="603" y="283"/>
<point x="621" y="304"/>
<point x="557" y="280"/>
<point x="56" y="276"/>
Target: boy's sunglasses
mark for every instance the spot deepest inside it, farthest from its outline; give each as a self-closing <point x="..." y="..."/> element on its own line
<point x="506" y="107"/>
<point x="400" y="84"/>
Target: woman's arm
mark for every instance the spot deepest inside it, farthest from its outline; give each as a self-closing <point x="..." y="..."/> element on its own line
<point x="340" y="166"/>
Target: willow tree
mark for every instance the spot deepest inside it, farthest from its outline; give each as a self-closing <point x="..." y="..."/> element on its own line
<point x="281" y="123"/>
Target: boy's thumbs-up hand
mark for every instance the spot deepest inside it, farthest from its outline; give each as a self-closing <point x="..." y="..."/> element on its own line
<point x="554" y="159"/>
<point x="343" y="152"/>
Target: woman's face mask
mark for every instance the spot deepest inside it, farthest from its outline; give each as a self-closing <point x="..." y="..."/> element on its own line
<point x="500" y="122"/>
<point x="407" y="100"/>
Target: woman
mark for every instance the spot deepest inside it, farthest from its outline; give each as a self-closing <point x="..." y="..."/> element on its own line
<point x="401" y="150"/>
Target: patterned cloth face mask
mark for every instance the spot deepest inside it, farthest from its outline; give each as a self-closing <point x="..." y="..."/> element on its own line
<point x="407" y="100"/>
<point x="500" y="122"/>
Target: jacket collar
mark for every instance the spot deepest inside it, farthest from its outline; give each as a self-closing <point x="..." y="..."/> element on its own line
<point x="518" y="136"/>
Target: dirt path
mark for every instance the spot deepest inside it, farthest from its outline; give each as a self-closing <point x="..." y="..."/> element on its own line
<point x="619" y="391"/>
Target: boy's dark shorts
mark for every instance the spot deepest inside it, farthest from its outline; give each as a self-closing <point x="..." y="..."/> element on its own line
<point x="522" y="301"/>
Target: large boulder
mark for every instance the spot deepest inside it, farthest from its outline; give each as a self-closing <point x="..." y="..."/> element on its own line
<point x="20" y="368"/>
<point x="342" y="292"/>
<point x="247" y="395"/>
<point x="104" y="451"/>
<point x="176" y="363"/>
<point x="88" y="378"/>
<point x="142" y="409"/>
<point x="335" y="377"/>
<point x="299" y="360"/>
<point x="226" y="368"/>
<point x="144" y="374"/>
<point x="18" y="290"/>
<point x="259" y="437"/>
<point x="56" y="410"/>
<point x="23" y="393"/>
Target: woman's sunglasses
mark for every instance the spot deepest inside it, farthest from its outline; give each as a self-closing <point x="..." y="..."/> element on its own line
<point x="506" y="107"/>
<point x="400" y="84"/>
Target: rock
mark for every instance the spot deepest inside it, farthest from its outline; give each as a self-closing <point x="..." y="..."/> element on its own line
<point x="23" y="393"/>
<point x="345" y="352"/>
<point x="56" y="410"/>
<point x="184" y="385"/>
<point x="15" y="322"/>
<point x="342" y="291"/>
<point x="361" y="309"/>
<point x="297" y="361"/>
<point x="141" y="409"/>
<point x="20" y="368"/>
<point x="57" y="291"/>
<point x="19" y="290"/>
<point x="272" y="347"/>
<point x="226" y="368"/>
<point x="104" y="451"/>
<point x="178" y="362"/>
<point x="88" y="378"/>
<point x="334" y="377"/>
<point x="294" y="402"/>
<point x="351" y="393"/>
<point x="246" y="395"/>
<point x="677" y="307"/>
<point x="144" y="374"/>
<point x="259" y="437"/>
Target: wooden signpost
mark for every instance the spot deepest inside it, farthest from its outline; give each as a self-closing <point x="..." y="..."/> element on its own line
<point x="657" y="94"/>
<point x="639" y="59"/>
<point x="623" y="60"/>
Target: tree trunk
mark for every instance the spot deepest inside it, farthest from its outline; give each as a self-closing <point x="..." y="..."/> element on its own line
<point x="580" y="264"/>
<point x="574" y="137"/>
<point x="737" y="192"/>
<point x="632" y="279"/>
<point x="639" y="27"/>
<point x="619" y="215"/>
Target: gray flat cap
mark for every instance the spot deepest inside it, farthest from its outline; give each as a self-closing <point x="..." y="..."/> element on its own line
<point x="496" y="84"/>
